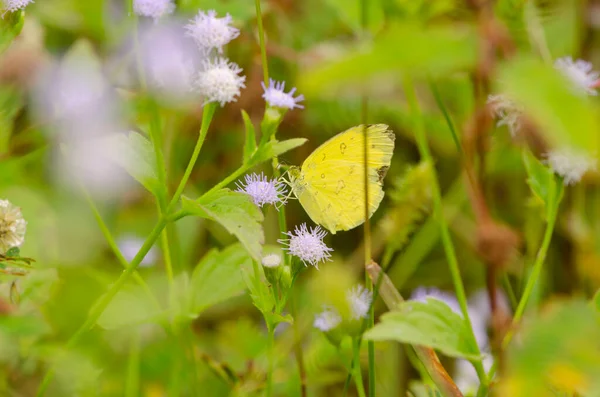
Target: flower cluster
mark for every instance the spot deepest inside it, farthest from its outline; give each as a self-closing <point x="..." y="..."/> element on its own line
<point x="262" y="190"/>
<point x="580" y="73"/>
<point x="506" y="111"/>
<point x="307" y="244"/>
<point x="15" y="5"/>
<point x="275" y="96"/>
<point x="12" y="226"/>
<point x="359" y="301"/>
<point x="154" y="9"/>
<point x="570" y="164"/>
<point x="211" y="33"/>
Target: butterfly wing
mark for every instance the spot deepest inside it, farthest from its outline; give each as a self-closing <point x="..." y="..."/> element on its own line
<point x="333" y="191"/>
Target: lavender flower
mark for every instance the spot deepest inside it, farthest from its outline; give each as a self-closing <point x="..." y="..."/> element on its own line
<point x="276" y="97"/>
<point x="359" y="299"/>
<point x="261" y="190"/>
<point x="271" y="261"/>
<point x="307" y="244"/>
<point x="14" y="5"/>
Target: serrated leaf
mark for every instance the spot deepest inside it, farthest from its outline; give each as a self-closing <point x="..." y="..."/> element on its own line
<point x="135" y="154"/>
<point x="432" y="324"/>
<point x="236" y="212"/>
<point x="540" y="178"/>
<point x="131" y="306"/>
<point x="565" y="117"/>
<point x="250" y="141"/>
<point x="274" y="148"/>
<point x="222" y="269"/>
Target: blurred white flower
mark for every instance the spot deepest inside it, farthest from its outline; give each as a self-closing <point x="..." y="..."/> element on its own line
<point x="466" y="377"/>
<point x="580" y="72"/>
<point x="131" y="245"/>
<point x="422" y="293"/>
<point x="14" y="5"/>
<point x="507" y="111"/>
<point x="271" y="260"/>
<point x="210" y="32"/>
<point x="261" y="190"/>
<point x="12" y="226"/>
<point x="327" y="320"/>
<point x="218" y="81"/>
<point x="571" y="164"/>
<point x="153" y="8"/>
<point x="359" y="299"/>
<point x="275" y="96"/>
<point x="307" y="244"/>
<point x="170" y="61"/>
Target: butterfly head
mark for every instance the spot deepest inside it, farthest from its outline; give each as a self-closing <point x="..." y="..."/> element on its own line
<point x="295" y="179"/>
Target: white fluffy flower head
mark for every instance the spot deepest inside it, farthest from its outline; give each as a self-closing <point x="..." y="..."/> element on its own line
<point x="12" y="226"/>
<point x="219" y="81"/>
<point x="262" y="190"/>
<point x="359" y="299"/>
<point x="579" y="72"/>
<point x="307" y="244"/>
<point x="506" y="111"/>
<point x="14" y="5"/>
<point x="570" y="163"/>
<point x="327" y="320"/>
<point x="153" y="8"/>
<point x="275" y="95"/>
<point x="271" y="261"/>
<point x="210" y="32"/>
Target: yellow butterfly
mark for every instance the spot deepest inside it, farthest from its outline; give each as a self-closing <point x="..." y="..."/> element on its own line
<point x="330" y="183"/>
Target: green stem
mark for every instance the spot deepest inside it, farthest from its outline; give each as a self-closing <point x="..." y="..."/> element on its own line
<point x="261" y="38"/>
<point x="537" y="266"/>
<point x="444" y="110"/>
<point x="207" y="115"/>
<point x="438" y="214"/>
<point x="232" y="177"/>
<point x="105" y="299"/>
<point x="132" y="383"/>
<point x="270" y="352"/>
<point x="360" y="387"/>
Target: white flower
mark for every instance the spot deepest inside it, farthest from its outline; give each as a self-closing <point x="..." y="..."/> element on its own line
<point x="130" y="246"/>
<point x="275" y="96"/>
<point x="271" y="261"/>
<point x="327" y="320"/>
<point x="569" y="163"/>
<point x="153" y="8"/>
<point x="308" y="244"/>
<point x="219" y="81"/>
<point x="262" y="190"/>
<point x="579" y="72"/>
<point x="171" y="61"/>
<point x="12" y="226"/>
<point x="422" y="293"/>
<point x="359" y="299"/>
<point x="507" y="111"/>
<point x="210" y="32"/>
<point x="14" y="5"/>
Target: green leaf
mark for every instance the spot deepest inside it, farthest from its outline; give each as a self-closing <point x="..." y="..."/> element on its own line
<point x="135" y="154"/>
<point x="565" y="117"/>
<point x="274" y="148"/>
<point x="222" y="269"/>
<point x="236" y="212"/>
<point x="431" y="324"/>
<point x="11" y="24"/>
<point x="131" y="306"/>
<point x="250" y="143"/>
<point x="540" y="178"/>
<point x="425" y="51"/>
<point x="11" y="101"/>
